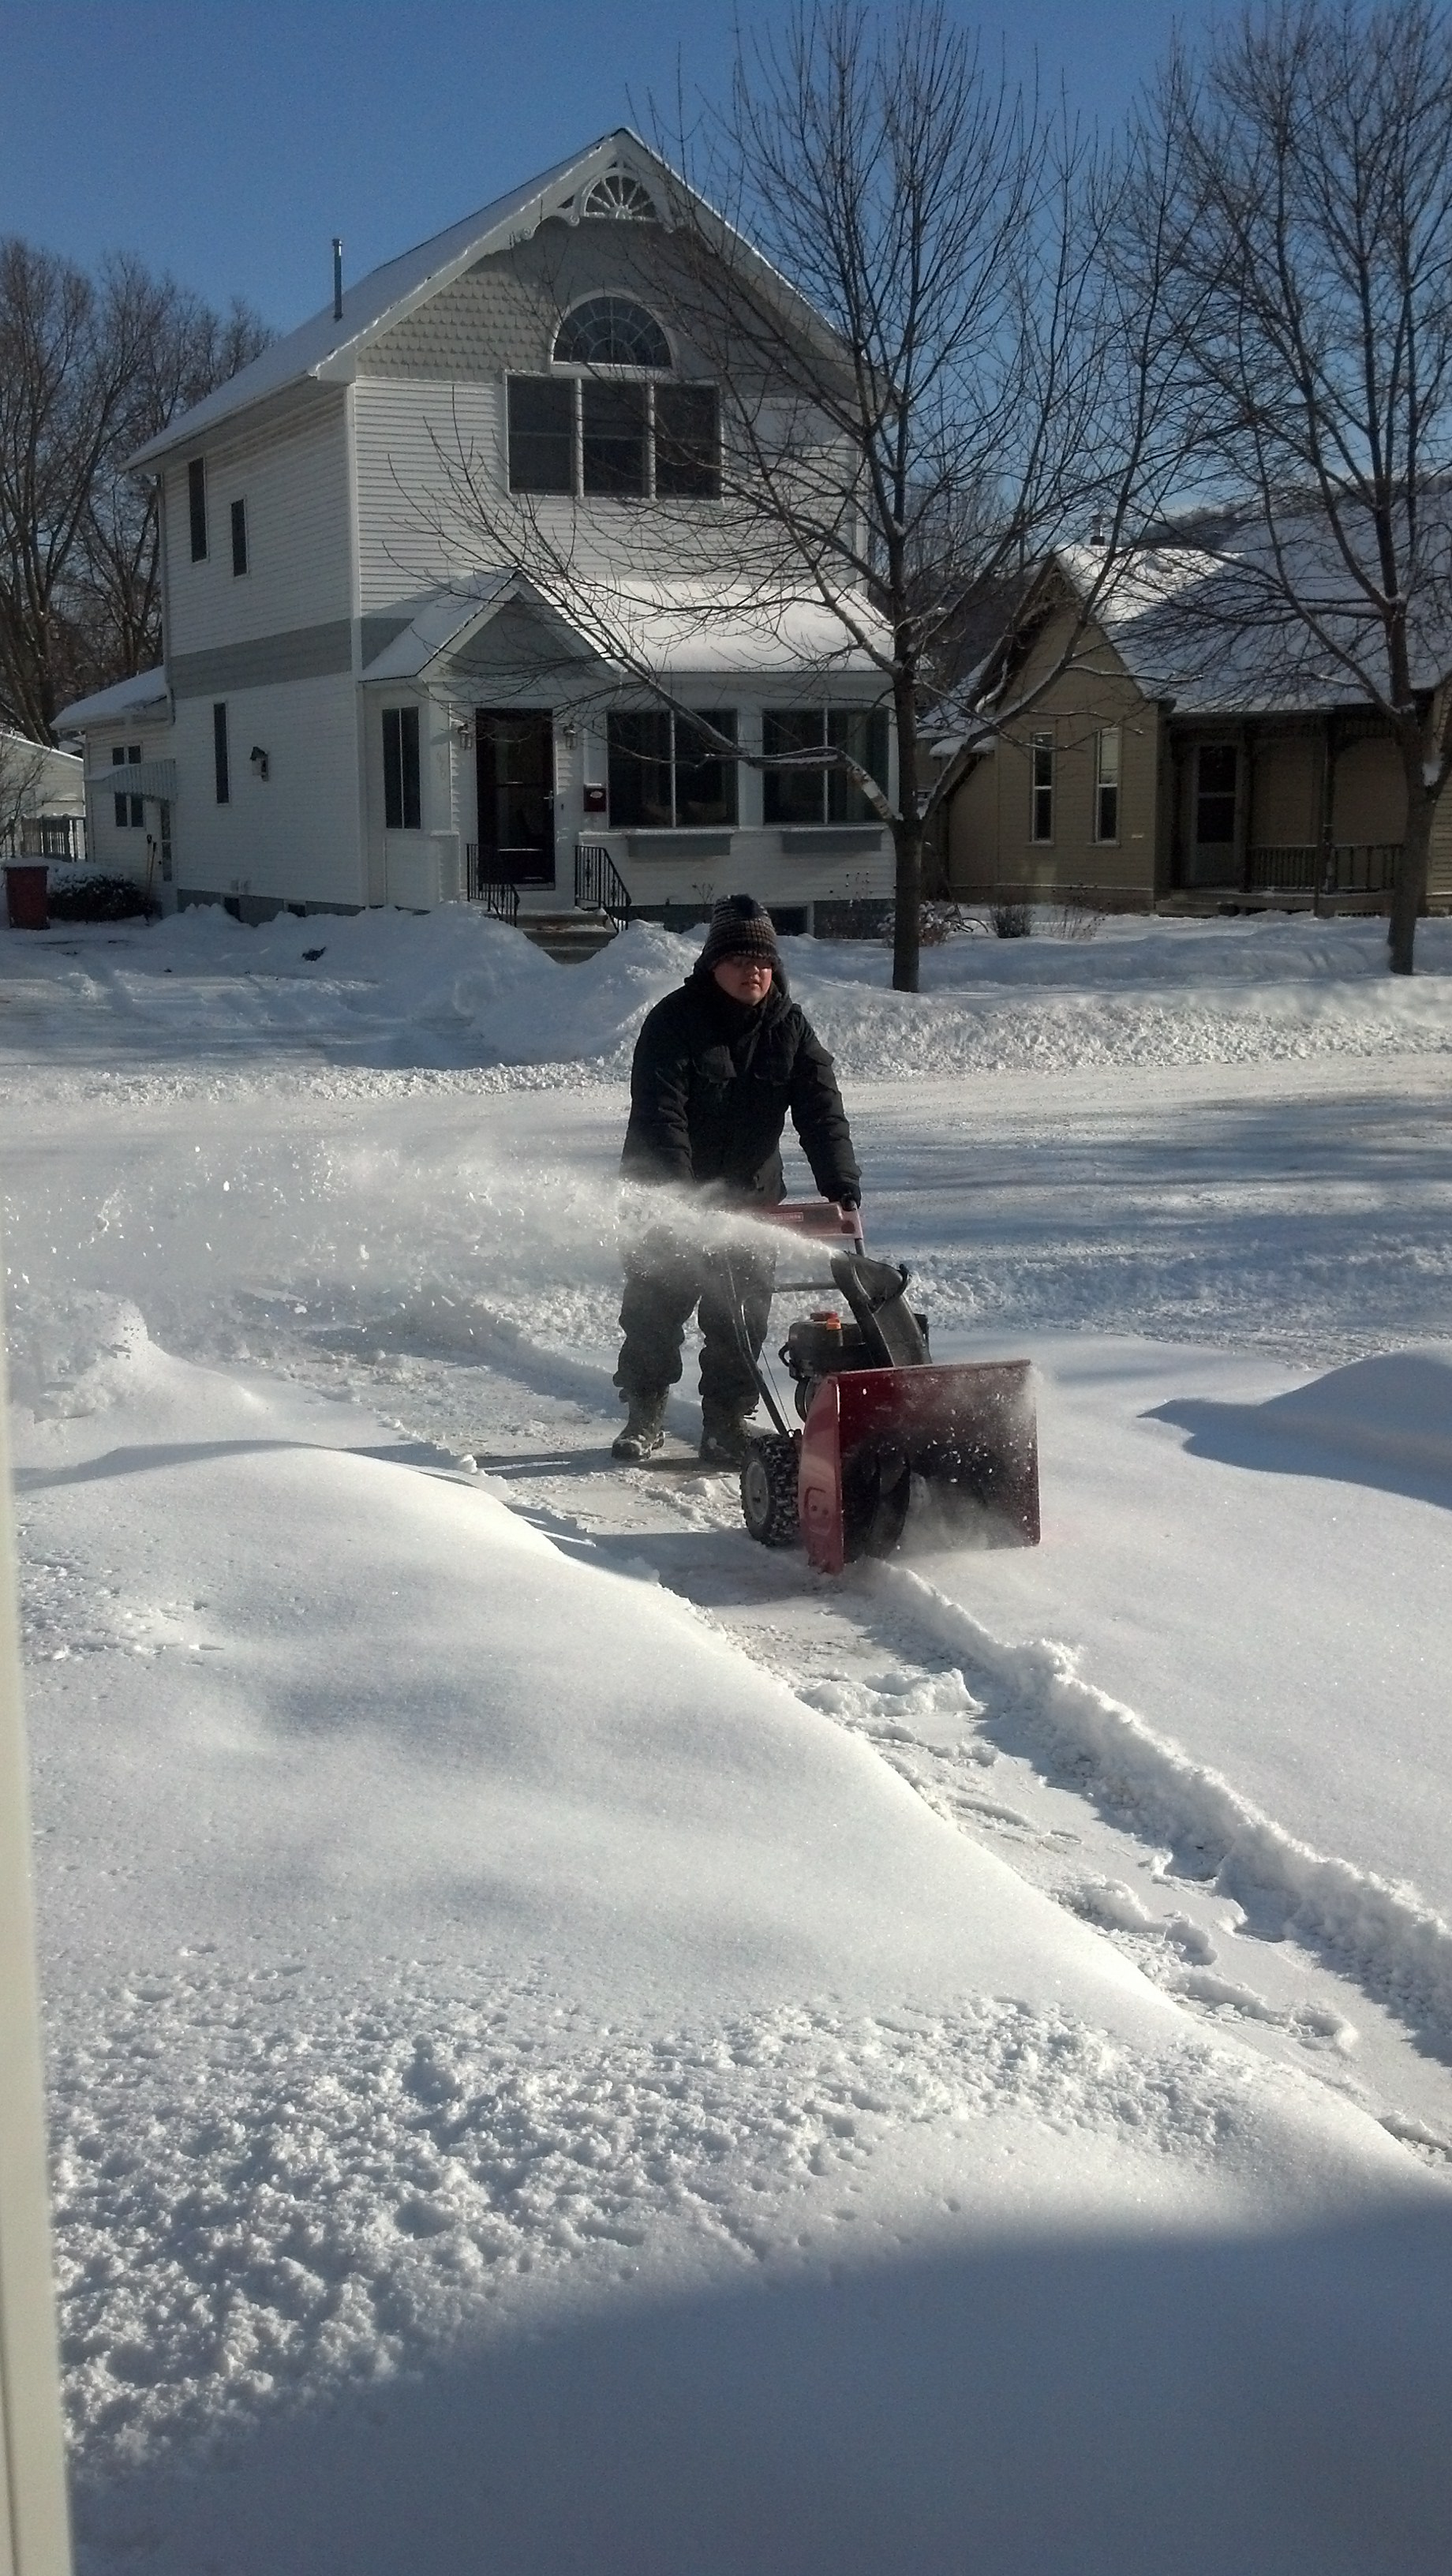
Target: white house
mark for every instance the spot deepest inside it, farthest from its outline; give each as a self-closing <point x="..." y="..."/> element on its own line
<point x="42" y="800"/>
<point x="369" y="697"/>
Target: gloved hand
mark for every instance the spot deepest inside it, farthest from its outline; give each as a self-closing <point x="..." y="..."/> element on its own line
<point x="849" y="1198"/>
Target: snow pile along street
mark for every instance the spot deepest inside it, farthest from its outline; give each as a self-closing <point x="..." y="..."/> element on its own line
<point x="576" y="2042"/>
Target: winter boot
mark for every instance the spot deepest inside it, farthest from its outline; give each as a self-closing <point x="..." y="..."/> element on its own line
<point x="644" y="1429"/>
<point x="726" y="1440"/>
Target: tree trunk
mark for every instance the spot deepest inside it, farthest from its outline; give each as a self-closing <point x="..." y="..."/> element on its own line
<point x="1409" y="893"/>
<point x="907" y="835"/>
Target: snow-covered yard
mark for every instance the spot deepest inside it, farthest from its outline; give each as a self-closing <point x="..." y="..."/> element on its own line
<point x="577" y="2043"/>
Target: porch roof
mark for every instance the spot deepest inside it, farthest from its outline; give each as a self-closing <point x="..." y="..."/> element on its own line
<point x="675" y="630"/>
<point x="142" y="699"/>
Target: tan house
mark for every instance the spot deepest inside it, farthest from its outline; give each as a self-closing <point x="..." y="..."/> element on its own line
<point x="1154" y="768"/>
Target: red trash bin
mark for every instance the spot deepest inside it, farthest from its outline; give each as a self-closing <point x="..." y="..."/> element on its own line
<point x="25" y="896"/>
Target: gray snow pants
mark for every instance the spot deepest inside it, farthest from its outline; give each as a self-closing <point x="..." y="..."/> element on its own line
<point x="666" y="1280"/>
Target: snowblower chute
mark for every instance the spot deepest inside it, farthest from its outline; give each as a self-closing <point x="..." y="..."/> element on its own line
<point x="886" y="1433"/>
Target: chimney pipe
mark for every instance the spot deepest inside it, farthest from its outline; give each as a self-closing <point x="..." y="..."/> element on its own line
<point x="337" y="277"/>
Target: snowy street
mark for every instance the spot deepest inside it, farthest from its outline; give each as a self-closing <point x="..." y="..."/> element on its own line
<point x="577" y="2041"/>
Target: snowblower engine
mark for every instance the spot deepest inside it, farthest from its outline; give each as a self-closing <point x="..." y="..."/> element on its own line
<point x="885" y="1432"/>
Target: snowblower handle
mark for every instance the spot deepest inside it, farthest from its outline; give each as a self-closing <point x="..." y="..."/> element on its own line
<point x="819" y="1220"/>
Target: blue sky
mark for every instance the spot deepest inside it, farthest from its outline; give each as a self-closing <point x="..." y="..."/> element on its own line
<point x="227" y="140"/>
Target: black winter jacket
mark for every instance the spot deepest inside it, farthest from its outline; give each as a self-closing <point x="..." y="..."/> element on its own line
<point x="712" y="1085"/>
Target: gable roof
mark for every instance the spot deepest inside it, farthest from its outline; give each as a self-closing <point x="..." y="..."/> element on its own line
<point x="1194" y="619"/>
<point x="324" y="350"/>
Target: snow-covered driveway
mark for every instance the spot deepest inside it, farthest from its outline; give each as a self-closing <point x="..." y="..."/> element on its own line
<point x="578" y="2043"/>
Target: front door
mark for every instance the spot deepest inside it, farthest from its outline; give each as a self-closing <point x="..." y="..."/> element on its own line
<point x="515" y="750"/>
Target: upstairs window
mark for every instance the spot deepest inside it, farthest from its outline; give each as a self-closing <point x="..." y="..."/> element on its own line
<point x="197" y="507"/>
<point x="687" y="442"/>
<point x="666" y="773"/>
<point x="239" y="537"/>
<point x="402" y="800"/>
<point x="614" y="439"/>
<point x="614" y="436"/>
<point x="1041" y="787"/>
<point x="818" y="794"/>
<point x="611" y="331"/>
<point x="1106" y="784"/>
<point x="130" y="810"/>
<point x="541" y="434"/>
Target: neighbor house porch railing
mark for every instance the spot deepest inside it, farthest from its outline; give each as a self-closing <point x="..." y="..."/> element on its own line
<point x="46" y="836"/>
<point x="498" y="895"/>
<point x="1347" y="867"/>
<point x="599" y="885"/>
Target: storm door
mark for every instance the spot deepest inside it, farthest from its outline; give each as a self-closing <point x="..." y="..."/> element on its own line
<point x="1215" y="856"/>
<point x="515" y="752"/>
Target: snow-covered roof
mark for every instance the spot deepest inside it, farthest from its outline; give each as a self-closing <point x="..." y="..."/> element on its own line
<point x="143" y="694"/>
<point x="325" y="349"/>
<point x="688" y="626"/>
<point x="441" y="620"/>
<point x="1209" y="628"/>
<point x="665" y="627"/>
<point x="43" y="750"/>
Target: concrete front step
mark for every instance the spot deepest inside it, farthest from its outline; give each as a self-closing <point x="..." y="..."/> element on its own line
<point x="569" y="937"/>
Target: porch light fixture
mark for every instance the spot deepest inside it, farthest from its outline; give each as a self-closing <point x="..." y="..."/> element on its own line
<point x="258" y="758"/>
<point x="464" y="736"/>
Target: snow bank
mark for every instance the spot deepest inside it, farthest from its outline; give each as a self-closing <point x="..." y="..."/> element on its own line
<point x="440" y="1927"/>
<point x="1392" y="1410"/>
<point x="454" y="988"/>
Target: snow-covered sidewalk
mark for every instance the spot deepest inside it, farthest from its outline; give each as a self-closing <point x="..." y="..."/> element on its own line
<point x="579" y="2043"/>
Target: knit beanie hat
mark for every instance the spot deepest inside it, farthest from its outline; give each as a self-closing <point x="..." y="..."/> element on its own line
<point x="740" y="927"/>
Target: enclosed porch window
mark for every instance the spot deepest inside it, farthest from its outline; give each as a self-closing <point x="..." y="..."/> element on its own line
<point x="822" y="795"/>
<point x="665" y="772"/>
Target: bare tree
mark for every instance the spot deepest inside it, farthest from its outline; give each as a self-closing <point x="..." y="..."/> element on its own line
<point x="885" y="261"/>
<point x="1304" y="171"/>
<point x="88" y="370"/>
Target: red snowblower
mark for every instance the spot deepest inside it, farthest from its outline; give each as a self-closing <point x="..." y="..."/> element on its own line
<point x="886" y="1435"/>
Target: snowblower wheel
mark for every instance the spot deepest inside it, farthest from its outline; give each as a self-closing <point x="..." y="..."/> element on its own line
<point x="769" y="1491"/>
<point x="875" y="1487"/>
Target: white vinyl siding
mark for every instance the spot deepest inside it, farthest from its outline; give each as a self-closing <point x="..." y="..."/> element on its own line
<point x="296" y="835"/>
<point x="412" y="441"/>
<point x="294" y="485"/>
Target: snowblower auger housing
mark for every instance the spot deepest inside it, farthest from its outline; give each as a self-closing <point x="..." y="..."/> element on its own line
<point x="885" y="1431"/>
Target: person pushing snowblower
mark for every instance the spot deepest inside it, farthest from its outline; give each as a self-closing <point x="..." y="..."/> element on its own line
<point x="719" y="1067"/>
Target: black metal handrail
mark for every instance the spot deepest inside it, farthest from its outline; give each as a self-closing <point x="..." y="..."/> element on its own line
<point x="599" y="885"/>
<point x="498" y="895"/>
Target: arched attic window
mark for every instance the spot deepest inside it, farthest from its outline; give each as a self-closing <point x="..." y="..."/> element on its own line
<point x="621" y="197"/>
<point x="611" y="331"/>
